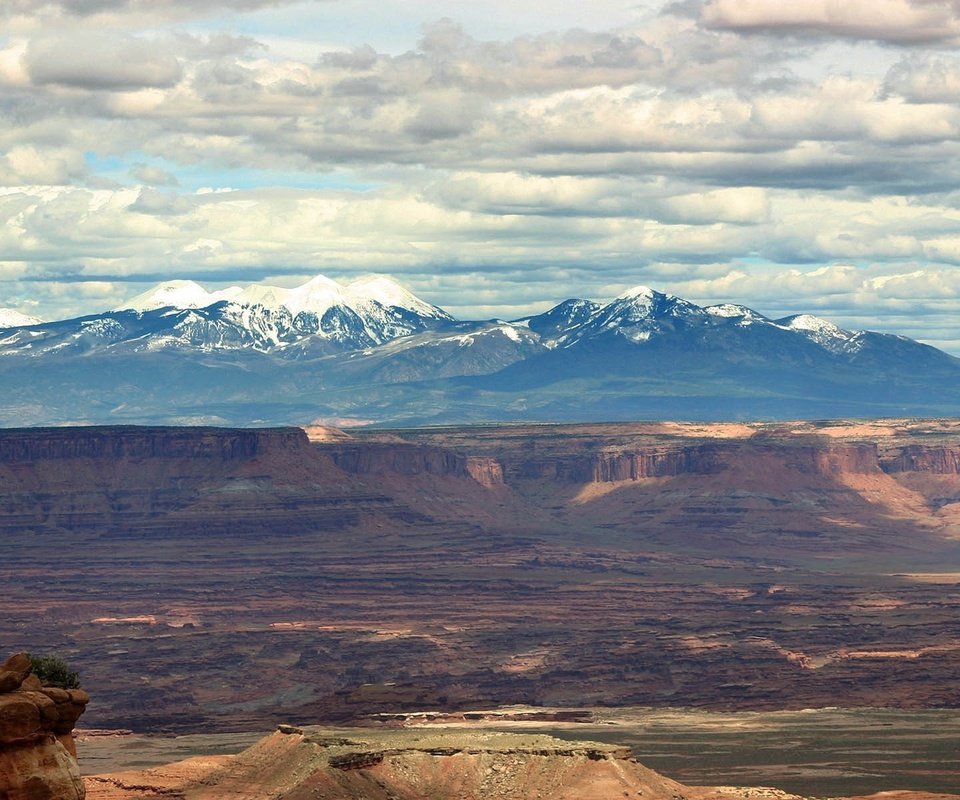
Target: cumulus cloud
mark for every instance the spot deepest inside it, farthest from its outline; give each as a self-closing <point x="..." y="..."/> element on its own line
<point x="902" y="22"/>
<point x="925" y="79"/>
<point x="674" y="150"/>
<point x="113" y="9"/>
<point x="33" y="165"/>
<point x="153" y="176"/>
<point x="95" y="61"/>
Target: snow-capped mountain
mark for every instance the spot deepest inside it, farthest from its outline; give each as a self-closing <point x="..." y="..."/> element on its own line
<point x="636" y="315"/>
<point x="371" y="350"/>
<point x="316" y="296"/>
<point x="11" y="318"/>
<point x="182" y="315"/>
<point x="824" y="333"/>
<point x="176" y="294"/>
<point x="641" y="314"/>
<point x="561" y="318"/>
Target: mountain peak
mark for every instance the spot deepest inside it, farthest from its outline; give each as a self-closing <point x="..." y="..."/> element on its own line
<point x="11" y="318"/>
<point x="639" y="292"/>
<point x="317" y="295"/>
<point x="175" y="293"/>
<point x="808" y="322"/>
<point x="390" y="294"/>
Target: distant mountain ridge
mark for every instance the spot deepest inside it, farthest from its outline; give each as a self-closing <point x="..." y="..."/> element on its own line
<point x="184" y="315"/>
<point x="372" y="351"/>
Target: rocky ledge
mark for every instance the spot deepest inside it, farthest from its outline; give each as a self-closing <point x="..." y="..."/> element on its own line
<point x="37" y="752"/>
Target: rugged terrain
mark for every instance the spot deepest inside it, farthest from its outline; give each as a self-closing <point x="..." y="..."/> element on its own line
<point x="371" y="352"/>
<point x="233" y="577"/>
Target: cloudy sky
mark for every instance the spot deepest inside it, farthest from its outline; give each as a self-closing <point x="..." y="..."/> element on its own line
<point x="495" y="158"/>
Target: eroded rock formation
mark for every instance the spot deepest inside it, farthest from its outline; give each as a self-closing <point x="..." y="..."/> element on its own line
<point x="37" y="752"/>
<point x="296" y="764"/>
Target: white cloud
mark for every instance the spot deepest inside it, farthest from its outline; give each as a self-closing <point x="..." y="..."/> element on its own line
<point x="153" y="176"/>
<point x="94" y="61"/>
<point x="896" y="21"/>
<point x="674" y="149"/>
<point x="925" y="80"/>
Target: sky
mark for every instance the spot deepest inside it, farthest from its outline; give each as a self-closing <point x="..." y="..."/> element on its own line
<point x="494" y="158"/>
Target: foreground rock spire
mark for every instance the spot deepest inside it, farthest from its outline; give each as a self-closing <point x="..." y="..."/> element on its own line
<point x="38" y="758"/>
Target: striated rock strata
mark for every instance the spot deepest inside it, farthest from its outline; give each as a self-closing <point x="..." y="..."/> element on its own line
<point x="923" y="458"/>
<point x="371" y="458"/>
<point x="37" y="752"/>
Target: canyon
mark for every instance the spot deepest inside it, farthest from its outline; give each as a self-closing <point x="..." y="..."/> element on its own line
<point x="222" y="579"/>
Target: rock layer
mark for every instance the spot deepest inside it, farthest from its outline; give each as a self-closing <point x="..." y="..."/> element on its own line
<point x="37" y="751"/>
<point x="407" y="459"/>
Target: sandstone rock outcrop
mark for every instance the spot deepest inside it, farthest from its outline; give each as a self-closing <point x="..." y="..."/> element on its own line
<point x="37" y="752"/>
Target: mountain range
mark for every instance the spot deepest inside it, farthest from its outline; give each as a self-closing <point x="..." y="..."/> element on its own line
<point x="370" y="352"/>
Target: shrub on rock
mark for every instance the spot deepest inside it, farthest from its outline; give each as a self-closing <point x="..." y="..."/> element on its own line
<point x="53" y="671"/>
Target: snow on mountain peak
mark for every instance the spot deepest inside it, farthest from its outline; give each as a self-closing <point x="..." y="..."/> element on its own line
<point x="808" y="322"/>
<point x="829" y="336"/>
<point x="178" y="294"/>
<point x="637" y="293"/>
<point x="11" y="318"/>
<point x="388" y="293"/>
<point x="316" y="296"/>
<point x="730" y="310"/>
<point x="259" y="294"/>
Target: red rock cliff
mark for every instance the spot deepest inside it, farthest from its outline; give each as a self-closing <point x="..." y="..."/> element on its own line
<point x="119" y="442"/>
<point x="37" y="753"/>
<point x="832" y="459"/>
<point x="940" y="460"/>
<point x="703" y="459"/>
<point x="408" y="459"/>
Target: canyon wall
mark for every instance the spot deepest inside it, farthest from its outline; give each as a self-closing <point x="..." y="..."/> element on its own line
<point x="611" y="464"/>
<point x="936" y="459"/>
<point x="132" y="442"/>
<point x="372" y="458"/>
<point x="165" y="481"/>
<point x="603" y="466"/>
